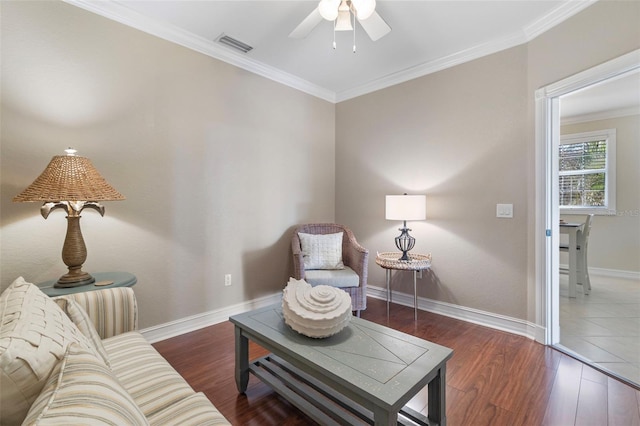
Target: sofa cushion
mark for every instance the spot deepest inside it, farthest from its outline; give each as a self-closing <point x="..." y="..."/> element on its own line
<point x="321" y="251"/>
<point x="145" y="374"/>
<point x="82" y="390"/>
<point x="34" y="336"/>
<point x="195" y="410"/>
<point x="341" y="278"/>
<point x="81" y="319"/>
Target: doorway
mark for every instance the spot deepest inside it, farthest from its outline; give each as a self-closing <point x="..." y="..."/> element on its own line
<point x="549" y="110"/>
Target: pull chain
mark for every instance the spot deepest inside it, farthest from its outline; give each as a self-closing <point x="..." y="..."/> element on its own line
<point x="334" y="34"/>
<point x="354" y="33"/>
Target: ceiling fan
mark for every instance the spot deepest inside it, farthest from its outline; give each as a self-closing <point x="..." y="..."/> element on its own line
<point x="340" y="12"/>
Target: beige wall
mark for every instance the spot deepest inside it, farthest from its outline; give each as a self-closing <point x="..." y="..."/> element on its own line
<point x="614" y="241"/>
<point x="217" y="164"/>
<point x="465" y="137"/>
<point x="456" y="136"/>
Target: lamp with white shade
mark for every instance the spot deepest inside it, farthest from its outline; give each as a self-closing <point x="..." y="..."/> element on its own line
<point x="405" y="207"/>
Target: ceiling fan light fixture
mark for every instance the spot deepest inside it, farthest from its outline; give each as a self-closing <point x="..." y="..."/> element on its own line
<point x="364" y="8"/>
<point x="329" y="9"/>
<point x="343" y="23"/>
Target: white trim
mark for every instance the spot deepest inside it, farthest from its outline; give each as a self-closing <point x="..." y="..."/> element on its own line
<point x="196" y="322"/>
<point x="463" y="313"/>
<point x="611" y="273"/>
<point x="431" y="67"/>
<point x="611" y="69"/>
<point x="609" y="135"/>
<point x="601" y="115"/>
<point x="475" y="316"/>
<point x="119" y="12"/>
<point x="555" y="17"/>
<point x="546" y="209"/>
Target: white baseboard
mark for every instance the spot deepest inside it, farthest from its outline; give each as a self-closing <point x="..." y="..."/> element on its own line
<point x="475" y="316"/>
<point x="487" y="319"/>
<point x="196" y="322"/>
<point x="611" y="273"/>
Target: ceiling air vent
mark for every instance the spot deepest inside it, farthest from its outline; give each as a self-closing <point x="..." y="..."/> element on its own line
<point x="232" y="42"/>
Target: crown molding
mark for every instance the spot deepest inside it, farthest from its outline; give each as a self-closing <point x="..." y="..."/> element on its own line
<point x="558" y="15"/>
<point x="431" y="67"/>
<point x="528" y="33"/>
<point x="120" y="13"/>
<point x="601" y="115"/>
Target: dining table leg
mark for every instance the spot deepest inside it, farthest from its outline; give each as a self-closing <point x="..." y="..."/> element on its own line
<point x="573" y="262"/>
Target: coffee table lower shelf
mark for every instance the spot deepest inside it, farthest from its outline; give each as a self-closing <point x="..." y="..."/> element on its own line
<point x="317" y="400"/>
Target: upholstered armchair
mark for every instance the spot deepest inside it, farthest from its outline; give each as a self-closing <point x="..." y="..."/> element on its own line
<point x="352" y="279"/>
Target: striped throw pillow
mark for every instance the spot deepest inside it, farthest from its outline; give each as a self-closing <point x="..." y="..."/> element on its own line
<point x="82" y="390"/>
<point x="81" y="319"/>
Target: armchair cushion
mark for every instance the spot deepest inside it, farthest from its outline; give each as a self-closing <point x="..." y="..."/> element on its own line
<point x="321" y="251"/>
<point x="82" y="390"/>
<point x="341" y="278"/>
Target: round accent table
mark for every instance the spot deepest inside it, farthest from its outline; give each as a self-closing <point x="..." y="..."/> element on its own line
<point x="118" y="279"/>
<point x="391" y="261"/>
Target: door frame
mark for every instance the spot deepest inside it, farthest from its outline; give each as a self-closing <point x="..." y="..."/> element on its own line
<point x="547" y="218"/>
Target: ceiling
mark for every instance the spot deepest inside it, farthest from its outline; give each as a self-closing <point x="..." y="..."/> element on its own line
<point x="426" y="36"/>
<point x="614" y="97"/>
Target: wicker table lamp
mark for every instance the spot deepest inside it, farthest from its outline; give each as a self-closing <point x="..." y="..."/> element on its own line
<point x="71" y="182"/>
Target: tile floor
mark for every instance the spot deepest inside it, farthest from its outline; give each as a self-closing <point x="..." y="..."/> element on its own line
<point x="604" y="327"/>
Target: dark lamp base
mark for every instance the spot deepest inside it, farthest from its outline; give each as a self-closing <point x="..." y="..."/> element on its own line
<point x="405" y="242"/>
<point x="405" y="256"/>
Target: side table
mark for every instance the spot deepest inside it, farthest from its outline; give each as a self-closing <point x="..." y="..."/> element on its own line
<point x="120" y="279"/>
<point x="391" y="261"/>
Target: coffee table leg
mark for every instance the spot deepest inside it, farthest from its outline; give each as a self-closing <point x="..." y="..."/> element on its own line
<point x="436" y="398"/>
<point x="242" y="361"/>
<point x="384" y="418"/>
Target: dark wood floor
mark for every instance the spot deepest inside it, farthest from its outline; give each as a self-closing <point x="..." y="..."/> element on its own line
<point x="494" y="378"/>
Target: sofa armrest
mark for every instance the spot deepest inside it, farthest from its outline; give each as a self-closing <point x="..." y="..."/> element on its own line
<point x="113" y="311"/>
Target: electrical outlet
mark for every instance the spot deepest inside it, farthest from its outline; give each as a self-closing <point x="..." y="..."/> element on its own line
<point x="227" y="280"/>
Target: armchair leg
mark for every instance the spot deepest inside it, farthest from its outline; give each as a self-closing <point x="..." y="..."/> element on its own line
<point x="358" y="314"/>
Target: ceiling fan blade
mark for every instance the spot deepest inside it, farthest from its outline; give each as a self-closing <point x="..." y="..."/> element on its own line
<point x="306" y="26"/>
<point x="375" y="26"/>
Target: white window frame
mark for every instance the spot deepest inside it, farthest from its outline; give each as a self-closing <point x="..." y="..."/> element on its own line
<point x="609" y="135"/>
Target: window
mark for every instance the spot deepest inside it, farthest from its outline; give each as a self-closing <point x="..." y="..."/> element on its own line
<point x="587" y="175"/>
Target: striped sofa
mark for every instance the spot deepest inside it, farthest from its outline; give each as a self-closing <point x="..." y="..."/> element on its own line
<point x="78" y="360"/>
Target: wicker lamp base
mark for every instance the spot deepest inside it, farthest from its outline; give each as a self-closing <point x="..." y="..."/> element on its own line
<point x="74" y="253"/>
<point x="74" y="279"/>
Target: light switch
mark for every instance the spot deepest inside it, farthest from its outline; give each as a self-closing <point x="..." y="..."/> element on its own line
<point x="504" y="210"/>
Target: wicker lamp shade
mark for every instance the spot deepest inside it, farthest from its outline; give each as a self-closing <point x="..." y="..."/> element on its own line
<point x="69" y="178"/>
<point x="71" y="182"/>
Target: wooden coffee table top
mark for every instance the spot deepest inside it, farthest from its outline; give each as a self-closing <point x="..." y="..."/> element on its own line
<point x="365" y="358"/>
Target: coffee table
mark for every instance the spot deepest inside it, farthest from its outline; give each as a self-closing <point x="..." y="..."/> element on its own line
<point x="365" y="374"/>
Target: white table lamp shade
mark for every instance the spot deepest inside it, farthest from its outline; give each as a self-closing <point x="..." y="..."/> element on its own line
<point x="406" y="207"/>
